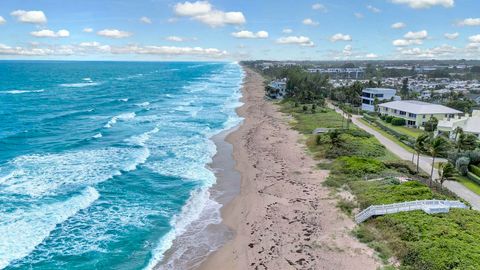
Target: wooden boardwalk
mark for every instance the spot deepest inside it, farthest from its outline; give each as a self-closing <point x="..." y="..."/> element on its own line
<point x="428" y="206"/>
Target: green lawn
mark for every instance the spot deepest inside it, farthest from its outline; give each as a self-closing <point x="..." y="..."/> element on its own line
<point x="468" y="184"/>
<point x="307" y="122"/>
<point x="412" y="132"/>
<point x="388" y="135"/>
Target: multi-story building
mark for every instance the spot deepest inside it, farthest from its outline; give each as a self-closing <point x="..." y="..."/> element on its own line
<point x="469" y="124"/>
<point x="369" y="95"/>
<point x="416" y="113"/>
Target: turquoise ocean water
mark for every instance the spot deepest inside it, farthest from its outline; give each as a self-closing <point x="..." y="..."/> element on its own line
<point x="103" y="164"/>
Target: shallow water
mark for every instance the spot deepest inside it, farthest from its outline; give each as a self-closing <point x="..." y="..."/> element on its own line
<point x="103" y="164"/>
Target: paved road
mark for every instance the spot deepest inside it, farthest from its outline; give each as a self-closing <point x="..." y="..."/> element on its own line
<point x="425" y="162"/>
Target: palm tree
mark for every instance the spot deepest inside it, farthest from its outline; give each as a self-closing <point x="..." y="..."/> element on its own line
<point x="466" y="142"/>
<point x="445" y="171"/>
<point x="420" y="146"/>
<point x="458" y="130"/>
<point x="435" y="147"/>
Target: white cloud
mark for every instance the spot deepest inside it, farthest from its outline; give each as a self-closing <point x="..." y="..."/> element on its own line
<point x="87" y="30"/>
<point x="250" y="35"/>
<point x="469" y="22"/>
<point x="371" y="56"/>
<point x="418" y="4"/>
<point x="474" y="39"/>
<point x="374" y="9"/>
<point x="318" y="6"/>
<point x="298" y="40"/>
<point x="398" y="25"/>
<point x="416" y="35"/>
<point x="46" y="33"/>
<point x="443" y="51"/>
<point x="34" y="16"/>
<point x="203" y="11"/>
<point x="347" y="50"/>
<point x="406" y="42"/>
<point x="340" y="37"/>
<point x="170" y="51"/>
<point x="2" y="20"/>
<point x="95" y="47"/>
<point x="175" y="39"/>
<point x="192" y="9"/>
<point x="287" y="31"/>
<point x="145" y="20"/>
<point x="451" y="36"/>
<point x="63" y="50"/>
<point x="358" y="15"/>
<point x="309" y="21"/>
<point x="113" y="33"/>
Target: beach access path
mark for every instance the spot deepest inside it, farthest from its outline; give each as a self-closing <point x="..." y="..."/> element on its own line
<point x="425" y="161"/>
<point x="283" y="218"/>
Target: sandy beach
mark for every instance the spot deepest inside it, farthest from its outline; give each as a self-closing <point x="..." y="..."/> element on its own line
<point x="283" y="218"/>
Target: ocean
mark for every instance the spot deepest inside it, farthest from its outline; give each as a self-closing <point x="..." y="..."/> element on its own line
<point x="104" y="164"/>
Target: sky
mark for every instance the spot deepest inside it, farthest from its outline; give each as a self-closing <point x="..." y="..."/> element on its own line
<point x="226" y="30"/>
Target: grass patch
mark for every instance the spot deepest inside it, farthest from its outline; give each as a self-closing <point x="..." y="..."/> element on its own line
<point x="388" y="135"/>
<point x="468" y="183"/>
<point x="411" y="132"/>
<point x="418" y="240"/>
<point x="306" y="121"/>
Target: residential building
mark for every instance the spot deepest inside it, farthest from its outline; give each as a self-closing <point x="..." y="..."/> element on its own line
<point x="340" y="73"/>
<point x="416" y="113"/>
<point x="381" y="94"/>
<point x="469" y="124"/>
<point x="277" y="89"/>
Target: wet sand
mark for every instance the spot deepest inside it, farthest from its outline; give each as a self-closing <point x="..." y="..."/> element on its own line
<point x="283" y="218"/>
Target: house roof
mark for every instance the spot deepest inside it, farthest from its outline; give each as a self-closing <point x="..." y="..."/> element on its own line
<point x="419" y="107"/>
<point x="379" y="90"/>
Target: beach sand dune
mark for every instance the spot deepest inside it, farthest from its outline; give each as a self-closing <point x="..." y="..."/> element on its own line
<point x="283" y="217"/>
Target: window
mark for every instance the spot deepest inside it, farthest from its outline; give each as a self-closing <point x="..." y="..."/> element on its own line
<point x="403" y="113"/>
<point x="366" y="101"/>
<point x="424" y="116"/>
<point x="412" y="115"/>
<point x="379" y="95"/>
<point x="411" y="123"/>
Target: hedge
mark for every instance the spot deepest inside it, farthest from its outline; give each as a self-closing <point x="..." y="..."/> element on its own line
<point x="473" y="177"/>
<point x="398" y="121"/>
<point x="475" y="170"/>
<point x="402" y="137"/>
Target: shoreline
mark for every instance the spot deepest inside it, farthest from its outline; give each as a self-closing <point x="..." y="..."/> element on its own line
<point x="282" y="218"/>
<point x="211" y="235"/>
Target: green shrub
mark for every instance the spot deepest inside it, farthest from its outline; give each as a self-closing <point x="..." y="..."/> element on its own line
<point x="389" y="119"/>
<point x="357" y="133"/>
<point x="402" y="137"/>
<point x="398" y="121"/>
<point x="462" y="165"/>
<point x="402" y="166"/>
<point x="474" y="169"/>
<point x="473" y="177"/>
<point x="358" y="166"/>
<point x="346" y="206"/>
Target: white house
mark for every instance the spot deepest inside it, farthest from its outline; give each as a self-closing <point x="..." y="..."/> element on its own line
<point x="278" y="89"/>
<point x="381" y="94"/>
<point x="416" y="113"/>
<point x="469" y="124"/>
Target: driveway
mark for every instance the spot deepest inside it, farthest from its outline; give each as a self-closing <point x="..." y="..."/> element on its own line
<point x="425" y="162"/>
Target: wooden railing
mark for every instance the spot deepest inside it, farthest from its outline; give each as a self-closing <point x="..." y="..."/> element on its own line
<point x="428" y="206"/>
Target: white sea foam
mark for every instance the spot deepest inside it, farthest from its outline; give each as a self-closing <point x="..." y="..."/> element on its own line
<point x="23" y="229"/>
<point x="123" y="99"/>
<point x="97" y="136"/>
<point x="87" y="79"/>
<point x="120" y="117"/>
<point x="50" y="174"/>
<point x="141" y="139"/>
<point x="80" y="85"/>
<point x="143" y="104"/>
<point x="199" y="201"/>
<point x="14" y="92"/>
